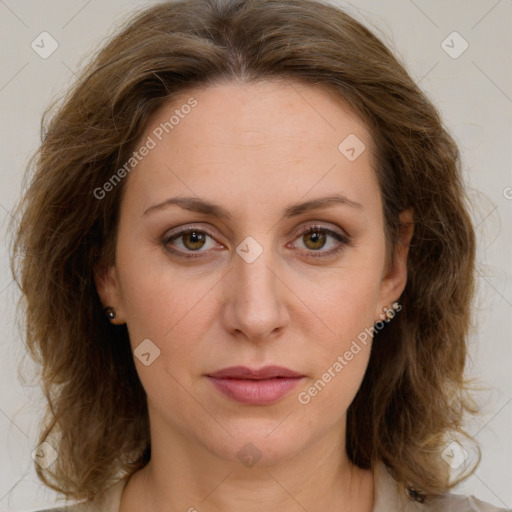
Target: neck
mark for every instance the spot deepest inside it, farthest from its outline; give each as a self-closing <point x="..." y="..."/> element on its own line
<point x="184" y="475"/>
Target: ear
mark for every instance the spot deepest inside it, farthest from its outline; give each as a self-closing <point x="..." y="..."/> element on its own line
<point x="107" y="286"/>
<point x="394" y="277"/>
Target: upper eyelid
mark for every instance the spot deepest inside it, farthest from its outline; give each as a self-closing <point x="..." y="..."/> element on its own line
<point x="296" y="232"/>
<point x="322" y="226"/>
<point x="304" y="227"/>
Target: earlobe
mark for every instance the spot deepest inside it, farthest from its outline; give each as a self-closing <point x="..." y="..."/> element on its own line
<point x="107" y="286"/>
<point x="395" y="278"/>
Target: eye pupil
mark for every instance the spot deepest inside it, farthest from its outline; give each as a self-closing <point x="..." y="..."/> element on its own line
<point x="194" y="238"/>
<point x="317" y="238"/>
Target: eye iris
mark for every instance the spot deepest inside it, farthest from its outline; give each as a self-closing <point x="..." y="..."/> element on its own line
<point x="193" y="237"/>
<point x="318" y="239"/>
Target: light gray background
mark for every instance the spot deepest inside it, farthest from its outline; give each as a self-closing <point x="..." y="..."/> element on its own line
<point x="473" y="93"/>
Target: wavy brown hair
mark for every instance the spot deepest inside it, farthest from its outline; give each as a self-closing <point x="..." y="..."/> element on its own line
<point x="414" y="394"/>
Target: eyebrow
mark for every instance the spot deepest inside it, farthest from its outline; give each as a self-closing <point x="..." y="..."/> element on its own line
<point x="195" y="204"/>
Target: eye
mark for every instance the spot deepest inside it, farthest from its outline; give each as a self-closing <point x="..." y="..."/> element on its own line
<point x="188" y="241"/>
<point x="314" y="238"/>
<point x="192" y="240"/>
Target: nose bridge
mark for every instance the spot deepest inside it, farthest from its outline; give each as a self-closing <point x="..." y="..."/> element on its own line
<point x="255" y="301"/>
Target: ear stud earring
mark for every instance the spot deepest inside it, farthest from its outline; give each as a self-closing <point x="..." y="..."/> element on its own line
<point x="110" y="313"/>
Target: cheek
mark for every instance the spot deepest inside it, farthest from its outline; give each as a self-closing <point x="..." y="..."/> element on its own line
<point x="163" y="307"/>
<point x="349" y="315"/>
<point x="155" y="295"/>
<point x="150" y="309"/>
<point x="339" y="357"/>
<point x="345" y="298"/>
<point x="168" y="306"/>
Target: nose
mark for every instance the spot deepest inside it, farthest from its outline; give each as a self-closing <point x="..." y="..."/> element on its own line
<point x="255" y="299"/>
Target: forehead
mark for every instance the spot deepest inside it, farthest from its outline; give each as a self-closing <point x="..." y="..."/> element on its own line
<point x="261" y="138"/>
<point x="259" y="112"/>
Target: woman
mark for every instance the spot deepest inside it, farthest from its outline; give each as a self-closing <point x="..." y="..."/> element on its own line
<point x="258" y="271"/>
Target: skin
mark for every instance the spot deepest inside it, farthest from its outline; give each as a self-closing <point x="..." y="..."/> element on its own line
<point x="254" y="149"/>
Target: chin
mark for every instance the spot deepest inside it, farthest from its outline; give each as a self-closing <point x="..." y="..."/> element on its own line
<point x="260" y="442"/>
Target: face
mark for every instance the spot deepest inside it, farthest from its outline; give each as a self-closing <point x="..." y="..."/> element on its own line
<point x="240" y="275"/>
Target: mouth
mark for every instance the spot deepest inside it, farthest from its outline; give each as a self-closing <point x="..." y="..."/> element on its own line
<point x="249" y="386"/>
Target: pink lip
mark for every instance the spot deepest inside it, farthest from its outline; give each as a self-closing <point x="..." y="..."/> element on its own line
<point x="255" y="387"/>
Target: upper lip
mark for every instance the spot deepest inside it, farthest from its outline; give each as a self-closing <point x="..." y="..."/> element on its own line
<point x="242" y="372"/>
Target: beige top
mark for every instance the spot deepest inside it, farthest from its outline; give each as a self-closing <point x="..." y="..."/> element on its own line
<point x="389" y="497"/>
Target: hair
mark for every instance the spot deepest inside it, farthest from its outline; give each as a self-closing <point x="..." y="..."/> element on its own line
<point x="414" y="394"/>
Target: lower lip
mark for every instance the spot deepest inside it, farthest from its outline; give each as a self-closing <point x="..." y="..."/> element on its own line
<point x="255" y="392"/>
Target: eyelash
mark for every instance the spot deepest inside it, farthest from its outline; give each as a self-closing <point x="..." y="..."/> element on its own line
<point x="343" y="239"/>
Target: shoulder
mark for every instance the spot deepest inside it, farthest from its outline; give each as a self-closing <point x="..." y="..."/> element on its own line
<point x="459" y="503"/>
<point x="108" y="501"/>
<point x="451" y="503"/>
<point x="390" y="495"/>
<point x="79" y="507"/>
